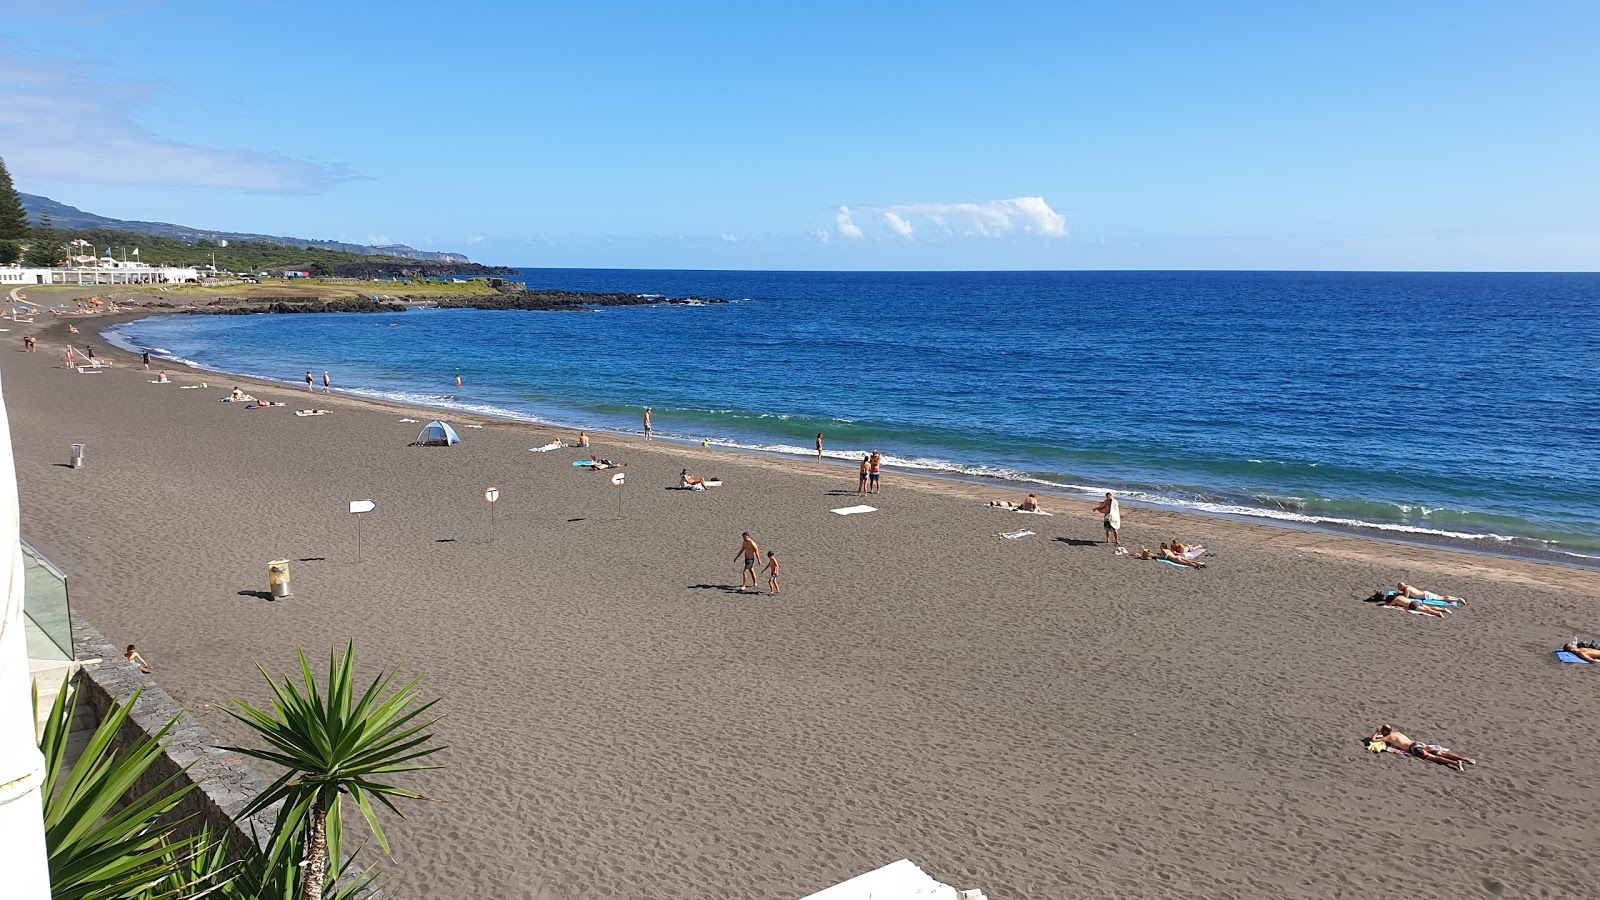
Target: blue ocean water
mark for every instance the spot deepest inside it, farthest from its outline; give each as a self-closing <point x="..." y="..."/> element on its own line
<point x="1456" y="406"/>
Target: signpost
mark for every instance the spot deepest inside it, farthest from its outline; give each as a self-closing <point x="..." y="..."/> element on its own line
<point x="358" y="508"/>
<point x="617" y="480"/>
<point x="490" y="496"/>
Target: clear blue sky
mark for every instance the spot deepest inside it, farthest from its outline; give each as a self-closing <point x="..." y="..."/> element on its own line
<point x="1416" y="135"/>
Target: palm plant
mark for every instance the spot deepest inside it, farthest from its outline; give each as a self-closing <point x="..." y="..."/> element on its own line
<point x="331" y="747"/>
<point x="106" y="839"/>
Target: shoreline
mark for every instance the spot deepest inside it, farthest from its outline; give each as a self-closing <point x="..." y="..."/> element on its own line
<point x="1035" y="717"/>
<point x="1494" y="546"/>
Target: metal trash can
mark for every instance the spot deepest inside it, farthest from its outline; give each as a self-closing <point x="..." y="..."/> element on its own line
<point x="77" y="456"/>
<point x="278" y="578"/>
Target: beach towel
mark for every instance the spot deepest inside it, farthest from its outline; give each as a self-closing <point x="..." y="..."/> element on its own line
<point x="714" y="482"/>
<point x="310" y="412"/>
<point x="1013" y="535"/>
<point x="189" y="387"/>
<point x="1171" y="563"/>
<point x="852" y="510"/>
<point x="1414" y="612"/>
<point x="1033" y="512"/>
<point x="553" y="445"/>
<point x="583" y="462"/>
<point x="1568" y="656"/>
<point x="410" y="420"/>
<point x="472" y="426"/>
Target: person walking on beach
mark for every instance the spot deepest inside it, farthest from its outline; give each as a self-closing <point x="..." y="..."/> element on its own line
<point x="772" y="573"/>
<point x="327" y="383"/>
<point x="751" y="554"/>
<point x="874" y="470"/>
<point x="861" y="482"/>
<point x="1113" y="518"/>
<point x="819" y="446"/>
<point x="647" y="429"/>
<point x="309" y="381"/>
<point x="146" y="360"/>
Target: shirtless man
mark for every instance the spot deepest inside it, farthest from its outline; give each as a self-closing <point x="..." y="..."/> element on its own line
<point x="751" y="554"/>
<point x="1413" y="604"/>
<point x="1587" y="654"/>
<point x="874" y="473"/>
<point x="1029" y="504"/>
<point x="1406" y="590"/>
<point x="1113" y="518"/>
<point x="648" y="431"/>
<point x="1430" y="752"/>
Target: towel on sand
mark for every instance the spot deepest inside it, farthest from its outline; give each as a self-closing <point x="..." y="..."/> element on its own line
<point x="1568" y="656"/>
<point x="1013" y="535"/>
<point x="852" y="510"/>
<point x="310" y="412"/>
<point x="553" y="445"/>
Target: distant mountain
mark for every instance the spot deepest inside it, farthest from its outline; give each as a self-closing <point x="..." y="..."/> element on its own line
<point x="70" y="218"/>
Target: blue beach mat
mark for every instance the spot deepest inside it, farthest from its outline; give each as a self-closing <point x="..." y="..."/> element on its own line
<point x="584" y="462"/>
<point x="1569" y="657"/>
<point x="1174" y="564"/>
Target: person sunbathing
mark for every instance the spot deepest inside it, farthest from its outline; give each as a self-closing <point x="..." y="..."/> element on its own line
<point x="1028" y="504"/>
<point x="237" y="395"/>
<point x="685" y="480"/>
<point x="1167" y="554"/>
<point x="1401" y="601"/>
<point x="1581" y="650"/>
<point x="1434" y="753"/>
<point x="1406" y="590"/>
<point x="1187" y="551"/>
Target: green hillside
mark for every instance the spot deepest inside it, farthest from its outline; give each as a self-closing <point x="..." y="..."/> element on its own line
<point x="235" y="257"/>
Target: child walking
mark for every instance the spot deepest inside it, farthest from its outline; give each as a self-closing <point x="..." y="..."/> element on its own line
<point x="772" y="577"/>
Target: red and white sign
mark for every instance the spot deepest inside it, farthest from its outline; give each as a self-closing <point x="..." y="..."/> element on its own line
<point x="492" y="494"/>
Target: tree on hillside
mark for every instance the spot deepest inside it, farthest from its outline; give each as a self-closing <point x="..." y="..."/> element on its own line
<point x="47" y="249"/>
<point x="13" y="218"/>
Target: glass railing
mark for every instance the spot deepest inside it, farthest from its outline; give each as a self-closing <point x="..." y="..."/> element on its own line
<point x="45" y="605"/>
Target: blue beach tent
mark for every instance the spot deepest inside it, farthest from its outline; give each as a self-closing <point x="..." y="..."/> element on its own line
<point x="438" y="434"/>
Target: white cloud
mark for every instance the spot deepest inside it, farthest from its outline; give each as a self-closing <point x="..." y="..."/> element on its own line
<point x="60" y="126"/>
<point x="823" y="235"/>
<point x="475" y="239"/>
<point x="847" y="227"/>
<point x="1030" y="216"/>
<point x="730" y="238"/>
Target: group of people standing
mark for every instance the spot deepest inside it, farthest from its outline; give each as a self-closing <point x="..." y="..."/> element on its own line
<point x="870" y="481"/>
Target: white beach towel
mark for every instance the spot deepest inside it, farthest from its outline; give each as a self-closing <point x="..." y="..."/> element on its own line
<point x="472" y="426"/>
<point x="852" y="510"/>
<point x="410" y="420"/>
<point x="553" y="445"/>
<point x="1013" y="535"/>
<point x="1033" y="512"/>
<point x="1114" y="515"/>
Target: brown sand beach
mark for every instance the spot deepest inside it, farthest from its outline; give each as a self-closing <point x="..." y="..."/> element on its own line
<point x="1037" y="717"/>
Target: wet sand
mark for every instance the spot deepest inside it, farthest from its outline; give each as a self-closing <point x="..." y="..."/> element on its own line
<point x="1037" y="718"/>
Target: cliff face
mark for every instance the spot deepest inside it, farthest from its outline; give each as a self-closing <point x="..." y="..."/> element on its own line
<point x="70" y="218"/>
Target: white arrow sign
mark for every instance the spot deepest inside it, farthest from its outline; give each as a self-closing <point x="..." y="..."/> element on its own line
<point x="617" y="478"/>
<point x="492" y="494"/>
<point x="362" y="506"/>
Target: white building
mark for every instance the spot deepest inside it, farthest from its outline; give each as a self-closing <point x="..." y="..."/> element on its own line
<point x="107" y="271"/>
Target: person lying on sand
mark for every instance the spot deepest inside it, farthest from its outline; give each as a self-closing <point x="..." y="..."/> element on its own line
<point x="1430" y="752"/>
<point x="685" y="480"/>
<point x="1406" y="590"/>
<point x="1167" y="553"/>
<point x="1401" y="601"/>
<point x="1028" y="504"/>
<point x="1188" y="551"/>
<point x="1583" y="650"/>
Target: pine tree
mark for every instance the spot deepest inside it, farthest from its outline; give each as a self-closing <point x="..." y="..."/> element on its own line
<point x="13" y="218"/>
<point x="47" y="249"/>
